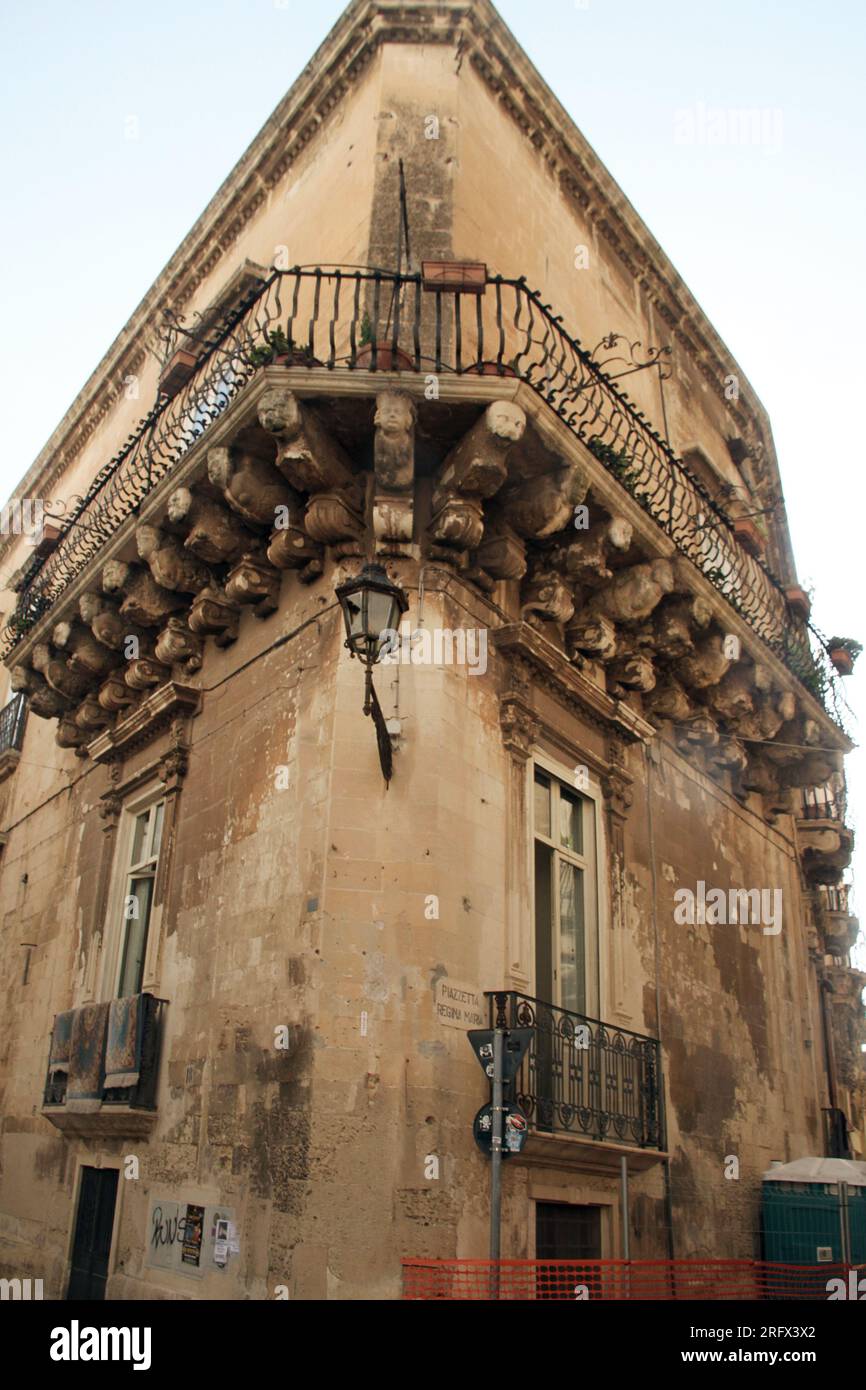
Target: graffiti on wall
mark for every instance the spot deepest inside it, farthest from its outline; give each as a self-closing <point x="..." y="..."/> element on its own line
<point x="188" y="1238"/>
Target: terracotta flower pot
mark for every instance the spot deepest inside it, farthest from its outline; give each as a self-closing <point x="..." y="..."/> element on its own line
<point x="748" y="535"/>
<point x="177" y="372"/>
<point x="798" y="601"/>
<point x="298" y="357"/>
<point x="387" y="360"/>
<point x="492" y="369"/>
<point x="842" y="660"/>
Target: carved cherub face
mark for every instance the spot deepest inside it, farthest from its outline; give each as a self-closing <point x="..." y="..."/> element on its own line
<point x="395" y="413"/>
<point x="506" y="420"/>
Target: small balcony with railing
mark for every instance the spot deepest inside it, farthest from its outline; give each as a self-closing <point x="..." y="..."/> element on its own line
<point x="587" y="1088"/>
<point x="825" y="841"/>
<point x="839" y="926"/>
<point x="13" y="718"/>
<point x="103" y="1067"/>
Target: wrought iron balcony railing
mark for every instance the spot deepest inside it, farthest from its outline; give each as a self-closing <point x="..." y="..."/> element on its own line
<point x="13" y="717"/>
<point x="506" y="330"/>
<point x="585" y="1078"/>
<point x="823" y="803"/>
<point x="141" y="1096"/>
<point x="834" y="898"/>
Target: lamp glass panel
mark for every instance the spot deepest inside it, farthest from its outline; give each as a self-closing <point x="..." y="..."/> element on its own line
<point x="380" y="612"/>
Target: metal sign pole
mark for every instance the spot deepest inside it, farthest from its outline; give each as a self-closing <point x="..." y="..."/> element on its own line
<point x="496" y="1148"/>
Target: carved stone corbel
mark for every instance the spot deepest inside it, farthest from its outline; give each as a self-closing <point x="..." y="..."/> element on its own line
<point x="307" y="455"/>
<point x="84" y="654"/>
<point x="541" y="506"/>
<point x="213" y="615"/>
<point x="674" y="623"/>
<point x="145" y="673"/>
<point x="114" y="693"/>
<point x="110" y="629"/>
<point x="545" y="598"/>
<point x="633" y="593"/>
<point x="290" y="548"/>
<point x="668" y="701"/>
<point x="254" y="582"/>
<point x="733" y="697"/>
<point x="41" y="699"/>
<point x="585" y="558"/>
<point x="594" y="637"/>
<point x="171" y="565"/>
<point x="69" y="735"/>
<point x="90" y="716"/>
<point x="214" y="534"/>
<point x="251" y="486"/>
<point x="143" y="600"/>
<point x="706" y="666"/>
<point x="477" y="466"/>
<point x="458" y="523"/>
<point x="57" y="674"/>
<point x="633" y="671"/>
<point x="177" y="644"/>
<point x="501" y="553"/>
<point x="332" y="519"/>
<point x="697" y="732"/>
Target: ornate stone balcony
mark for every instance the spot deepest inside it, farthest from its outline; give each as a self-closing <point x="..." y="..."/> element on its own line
<point x="825" y="841"/>
<point x="839" y="928"/>
<point x="539" y="483"/>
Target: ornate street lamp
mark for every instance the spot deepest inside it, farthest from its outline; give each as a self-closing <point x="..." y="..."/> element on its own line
<point x="372" y="607"/>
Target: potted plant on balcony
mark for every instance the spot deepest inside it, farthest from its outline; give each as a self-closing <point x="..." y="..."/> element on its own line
<point x="177" y="371"/>
<point x="387" y="358"/>
<point x="749" y="533"/>
<point x="492" y="369"/>
<point x="799" y="601"/>
<point x="617" y="461"/>
<point x="843" y="652"/>
<point x="280" y="351"/>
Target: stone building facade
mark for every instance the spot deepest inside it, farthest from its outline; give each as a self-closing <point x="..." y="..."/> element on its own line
<point x="604" y="709"/>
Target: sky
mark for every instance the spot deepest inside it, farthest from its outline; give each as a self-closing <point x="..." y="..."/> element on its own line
<point x="122" y="120"/>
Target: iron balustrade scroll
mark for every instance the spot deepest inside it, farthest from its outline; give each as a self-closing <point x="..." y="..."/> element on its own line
<point x="13" y="717"/>
<point x="583" y="1077"/>
<point x="343" y="318"/>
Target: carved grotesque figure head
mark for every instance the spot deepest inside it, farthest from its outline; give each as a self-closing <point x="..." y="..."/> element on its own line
<point x="506" y="421"/>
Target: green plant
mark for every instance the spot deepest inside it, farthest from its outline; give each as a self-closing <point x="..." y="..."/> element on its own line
<point x="276" y="345"/>
<point x="617" y="461"/>
<point x="366" y="331"/>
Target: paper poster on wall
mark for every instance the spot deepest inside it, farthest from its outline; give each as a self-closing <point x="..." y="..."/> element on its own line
<point x="181" y="1236"/>
<point x="192" y="1235"/>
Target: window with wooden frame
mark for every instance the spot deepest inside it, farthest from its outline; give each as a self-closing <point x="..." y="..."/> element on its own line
<point x="141" y="846"/>
<point x="566" y="895"/>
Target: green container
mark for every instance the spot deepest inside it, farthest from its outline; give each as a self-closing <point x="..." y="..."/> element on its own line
<point x="799" y="1219"/>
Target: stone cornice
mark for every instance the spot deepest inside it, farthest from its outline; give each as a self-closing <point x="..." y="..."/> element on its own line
<point x="568" y="685"/>
<point x="483" y="38"/>
<point x="148" y="719"/>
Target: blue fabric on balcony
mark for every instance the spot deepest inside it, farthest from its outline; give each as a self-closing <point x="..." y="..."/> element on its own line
<point x="87" y="1052"/>
<point x="61" y="1042"/>
<point x="123" y="1046"/>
